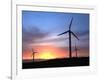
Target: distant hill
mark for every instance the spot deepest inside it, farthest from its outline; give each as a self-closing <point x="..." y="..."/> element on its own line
<point x="64" y="62"/>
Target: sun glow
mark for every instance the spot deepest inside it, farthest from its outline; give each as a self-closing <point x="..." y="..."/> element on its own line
<point x="47" y="55"/>
<point x="46" y="52"/>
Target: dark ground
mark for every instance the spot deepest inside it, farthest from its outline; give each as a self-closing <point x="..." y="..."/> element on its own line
<point x="65" y="62"/>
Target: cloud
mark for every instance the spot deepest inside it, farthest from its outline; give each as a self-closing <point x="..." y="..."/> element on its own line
<point x="51" y="39"/>
<point x="32" y="34"/>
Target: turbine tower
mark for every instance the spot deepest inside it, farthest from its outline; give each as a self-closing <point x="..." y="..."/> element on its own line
<point x="76" y="49"/>
<point x="69" y="33"/>
<point x="33" y="54"/>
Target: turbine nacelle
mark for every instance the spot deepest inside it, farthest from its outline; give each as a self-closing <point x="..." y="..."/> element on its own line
<point x="69" y="31"/>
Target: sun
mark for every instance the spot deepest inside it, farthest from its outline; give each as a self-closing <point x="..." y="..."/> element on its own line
<point x="47" y="55"/>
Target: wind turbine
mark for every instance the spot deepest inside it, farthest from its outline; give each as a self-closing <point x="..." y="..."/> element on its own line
<point x="33" y="54"/>
<point x="76" y="49"/>
<point x="69" y="33"/>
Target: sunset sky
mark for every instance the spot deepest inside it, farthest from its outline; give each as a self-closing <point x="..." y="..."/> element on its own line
<point x="40" y="30"/>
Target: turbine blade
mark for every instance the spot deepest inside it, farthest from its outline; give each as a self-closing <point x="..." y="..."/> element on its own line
<point x="75" y="46"/>
<point x="70" y="23"/>
<point x="63" y="33"/>
<point x="32" y="50"/>
<point x="74" y="35"/>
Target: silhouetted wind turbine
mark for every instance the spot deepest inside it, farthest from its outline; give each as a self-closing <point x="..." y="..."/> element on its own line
<point x="70" y="33"/>
<point x="76" y="49"/>
<point x="33" y="54"/>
